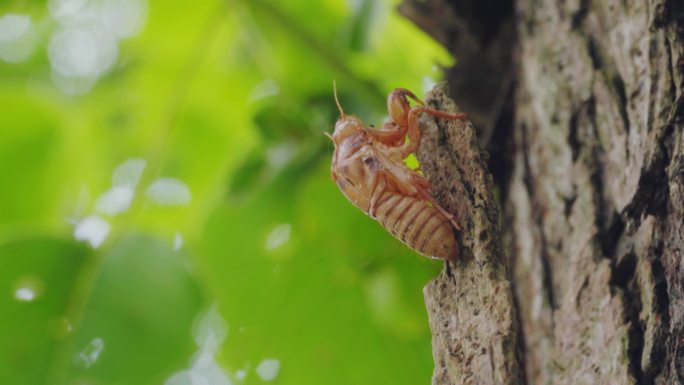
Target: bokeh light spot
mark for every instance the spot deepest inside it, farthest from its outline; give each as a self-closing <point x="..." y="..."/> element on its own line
<point x="268" y="369"/>
<point x="279" y="236"/>
<point x="93" y="230"/>
<point x="169" y="192"/>
<point x="17" y="38"/>
<point x="115" y="200"/>
<point x="84" y="50"/>
<point x="129" y="172"/>
<point x="89" y="355"/>
<point x="28" y="288"/>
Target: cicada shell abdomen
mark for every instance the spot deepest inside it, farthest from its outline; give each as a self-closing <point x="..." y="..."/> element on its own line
<point x="418" y="224"/>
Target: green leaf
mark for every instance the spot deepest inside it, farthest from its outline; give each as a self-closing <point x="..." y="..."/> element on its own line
<point x="132" y="326"/>
<point x="139" y="316"/>
<point x="29" y="141"/>
<point x="37" y="281"/>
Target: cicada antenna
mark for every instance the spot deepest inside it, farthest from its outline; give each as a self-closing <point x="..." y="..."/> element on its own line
<point x="337" y="101"/>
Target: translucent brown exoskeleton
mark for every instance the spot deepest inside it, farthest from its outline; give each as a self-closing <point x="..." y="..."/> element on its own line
<point x="368" y="166"/>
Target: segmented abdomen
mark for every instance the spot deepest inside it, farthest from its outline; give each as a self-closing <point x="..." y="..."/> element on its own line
<point x="416" y="223"/>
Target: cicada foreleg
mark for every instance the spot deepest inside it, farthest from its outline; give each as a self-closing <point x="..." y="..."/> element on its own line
<point x="391" y="134"/>
<point x="413" y="130"/>
<point x="403" y="120"/>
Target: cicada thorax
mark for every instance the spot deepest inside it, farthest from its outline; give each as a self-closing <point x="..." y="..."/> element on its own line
<point x="416" y="223"/>
<point x="358" y="168"/>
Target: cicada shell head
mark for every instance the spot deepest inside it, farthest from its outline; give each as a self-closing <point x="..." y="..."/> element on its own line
<point x="346" y="126"/>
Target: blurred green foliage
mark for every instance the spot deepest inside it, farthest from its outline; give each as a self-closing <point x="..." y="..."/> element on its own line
<point x="232" y="98"/>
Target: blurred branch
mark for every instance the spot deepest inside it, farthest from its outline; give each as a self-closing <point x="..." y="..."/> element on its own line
<point x="185" y="78"/>
<point x="324" y="51"/>
<point x="180" y="90"/>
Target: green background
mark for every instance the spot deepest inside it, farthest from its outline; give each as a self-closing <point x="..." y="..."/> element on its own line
<point x="339" y="301"/>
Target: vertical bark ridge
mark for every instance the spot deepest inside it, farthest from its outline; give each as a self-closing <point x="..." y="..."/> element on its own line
<point x="596" y="125"/>
<point x="470" y="304"/>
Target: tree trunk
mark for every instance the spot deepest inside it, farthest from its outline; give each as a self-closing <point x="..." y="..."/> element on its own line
<point x="471" y="309"/>
<point x="588" y="152"/>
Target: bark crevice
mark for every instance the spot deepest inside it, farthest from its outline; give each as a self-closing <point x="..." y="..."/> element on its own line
<point x="632" y="307"/>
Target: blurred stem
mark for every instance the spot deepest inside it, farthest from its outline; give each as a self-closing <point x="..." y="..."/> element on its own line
<point x="182" y="86"/>
<point x="180" y="90"/>
<point x="86" y="282"/>
<point x="326" y="52"/>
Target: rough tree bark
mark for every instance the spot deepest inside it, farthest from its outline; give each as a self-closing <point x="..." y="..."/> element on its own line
<point x="591" y="173"/>
<point x="472" y="314"/>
